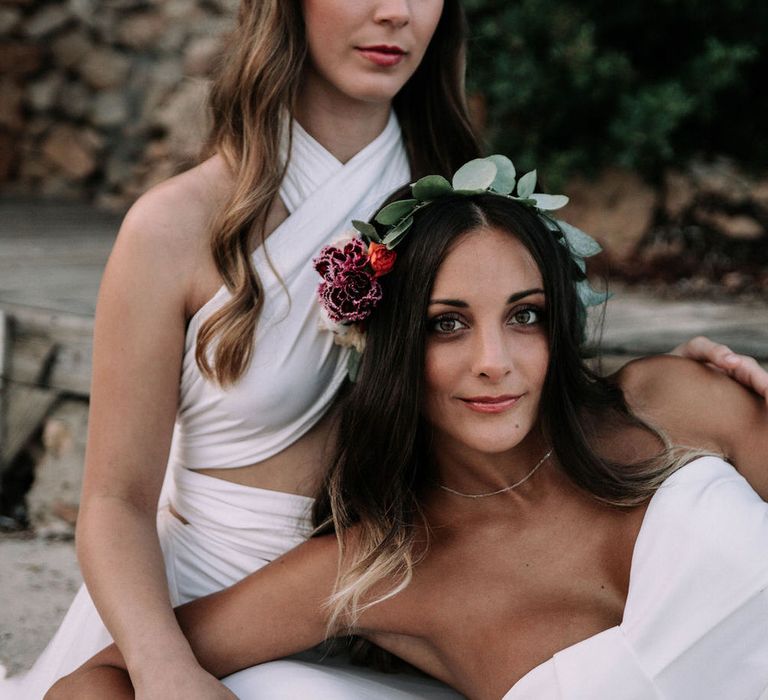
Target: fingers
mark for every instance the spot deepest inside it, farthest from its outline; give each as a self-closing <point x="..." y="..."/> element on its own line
<point x="742" y="368"/>
<point x="748" y="372"/>
<point x="705" y="350"/>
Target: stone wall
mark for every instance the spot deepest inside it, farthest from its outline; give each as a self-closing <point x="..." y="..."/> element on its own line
<point x="100" y="99"/>
<point x="702" y="228"/>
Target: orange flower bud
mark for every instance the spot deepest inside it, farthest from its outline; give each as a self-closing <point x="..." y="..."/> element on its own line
<point x="380" y="258"/>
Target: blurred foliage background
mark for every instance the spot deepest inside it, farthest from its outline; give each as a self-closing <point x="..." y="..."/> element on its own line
<point x="573" y="86"/>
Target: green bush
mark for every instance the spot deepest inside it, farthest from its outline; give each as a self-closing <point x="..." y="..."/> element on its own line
<point x="576" y="85"/>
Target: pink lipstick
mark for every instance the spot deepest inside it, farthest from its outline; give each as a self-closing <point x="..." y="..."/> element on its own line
<point x="382" y="54"/>
<point x="491" y="404"/>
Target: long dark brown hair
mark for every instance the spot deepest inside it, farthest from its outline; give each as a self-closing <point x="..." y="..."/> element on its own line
<point x="383" y="467"/>
<point x="258" y="81"/>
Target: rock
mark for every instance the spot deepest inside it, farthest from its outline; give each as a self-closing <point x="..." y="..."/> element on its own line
<point x="159" y="84"/>
<point x="180" y="10"/>
<point x="21" y="59"/>
<point x="736" y="281"/>
<point x="55" y="494"/>
<point x="75" y="99"/>
<point x="142" y="30"/>
<point x="105" y="68"/>
<point x="69" y="49"/>
<point x="759" y="194"/>
<point x="679" y="194"/>
<point x="109" y="109"/>
<point x="10" y="19"/>
<point x="617" y="209"/>
<point x="737" y="226"/>
<point x="11" y="97"/>
<point x="8" y="154"/>
<point x="184" y="116"/>
<point x="172" y="40"/>
<point x="226" y="7"/>
<point x="84" y="10"/>
<point x="47" y="21"/>
<point x="41" y="95"/>
<point x="720" y="180"/>
<point x="65" y="147"/>
<point x="201" y="56"/>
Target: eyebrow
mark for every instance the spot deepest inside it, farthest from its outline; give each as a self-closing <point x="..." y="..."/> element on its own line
<point x="463" y="304"/>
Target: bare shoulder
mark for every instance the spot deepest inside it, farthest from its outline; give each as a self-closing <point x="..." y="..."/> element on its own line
<point x="657" y="380"/>
<point x="698" y="406"/>
<point x="164" y="238"/>
<point x="176" y="213"/>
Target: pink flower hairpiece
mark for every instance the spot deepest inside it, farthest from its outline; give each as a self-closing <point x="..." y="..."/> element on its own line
<point x="350" y="289"/>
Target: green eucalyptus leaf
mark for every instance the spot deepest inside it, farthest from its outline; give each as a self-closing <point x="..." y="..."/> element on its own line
<point x="590" y="297"/>
<point x="392" y="213"/>
<point x="551" y="224"/>
<point x="549" y="202"/>
<point x="504" y="182"/>
<point x="580" y="243"/>
<point x="396" y="233"/>
<point x="469" y="193"/>
<point x="367" y="230"/>
<point x="478" y="174"/>
<point x="526" y="185"/>
<point x="353" y="365"/>
<point x="431" y="187"/>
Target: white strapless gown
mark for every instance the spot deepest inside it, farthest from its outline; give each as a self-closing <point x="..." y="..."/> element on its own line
<point x="695" y="625"/>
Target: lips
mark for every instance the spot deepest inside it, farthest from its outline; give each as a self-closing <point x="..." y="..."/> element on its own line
<point x="491" y="404"/>
<point x="383" y="54"/>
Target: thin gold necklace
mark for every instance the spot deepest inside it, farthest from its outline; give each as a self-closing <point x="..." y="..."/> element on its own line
<point x="505" y="489"/>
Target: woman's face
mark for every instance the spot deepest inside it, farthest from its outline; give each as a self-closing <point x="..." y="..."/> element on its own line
<point x="368" y="49"/>
<point x="487" y="349"/>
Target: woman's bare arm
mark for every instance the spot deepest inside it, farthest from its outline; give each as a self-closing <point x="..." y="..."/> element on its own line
<point x="701" y="407"/>
<point x="276" y="611"/>
<point x="138" y="346"/>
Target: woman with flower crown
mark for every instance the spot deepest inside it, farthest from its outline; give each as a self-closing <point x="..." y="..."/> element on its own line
<point x="207" y="357"/>
<point x="506" y="520"/>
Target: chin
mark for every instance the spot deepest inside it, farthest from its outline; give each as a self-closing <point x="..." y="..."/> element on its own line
<point x="377" y="89"/>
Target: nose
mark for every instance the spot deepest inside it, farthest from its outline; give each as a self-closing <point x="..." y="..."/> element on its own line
<point x="396" y="13"/>
<point x="492" y="354"/>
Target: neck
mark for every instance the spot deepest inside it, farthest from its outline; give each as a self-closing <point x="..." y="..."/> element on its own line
<point x="473" y="473"/>
<point x="342" y="125"/>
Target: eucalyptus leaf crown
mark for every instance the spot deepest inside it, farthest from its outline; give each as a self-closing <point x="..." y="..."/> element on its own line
<point x="350" y="289"/>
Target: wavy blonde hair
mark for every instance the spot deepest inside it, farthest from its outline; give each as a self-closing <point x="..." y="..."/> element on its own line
<point x="257" y="82"/>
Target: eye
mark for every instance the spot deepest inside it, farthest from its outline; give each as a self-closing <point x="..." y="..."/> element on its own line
<point x="446" y="324"/>
<point x="528" y="316"/>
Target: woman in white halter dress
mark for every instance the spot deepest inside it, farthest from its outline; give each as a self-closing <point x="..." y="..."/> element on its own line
<point x="359" y="57"/>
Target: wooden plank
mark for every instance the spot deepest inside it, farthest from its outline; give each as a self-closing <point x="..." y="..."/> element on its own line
<point x="31" y="359"/>
<point x="5" y="342"/>
<point x="52" y="347"/>
<point x="27" y="409"/>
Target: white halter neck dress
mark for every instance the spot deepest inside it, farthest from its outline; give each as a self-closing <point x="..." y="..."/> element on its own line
<point x="695" y="625"/>
<point x="295" y="373"/>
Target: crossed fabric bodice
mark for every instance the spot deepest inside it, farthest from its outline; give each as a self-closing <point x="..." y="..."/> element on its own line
<point x="296" y="369"/>
<point x="695" y="625"/>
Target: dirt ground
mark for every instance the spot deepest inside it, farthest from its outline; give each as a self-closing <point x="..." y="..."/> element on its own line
<point x="38" y="580"/>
